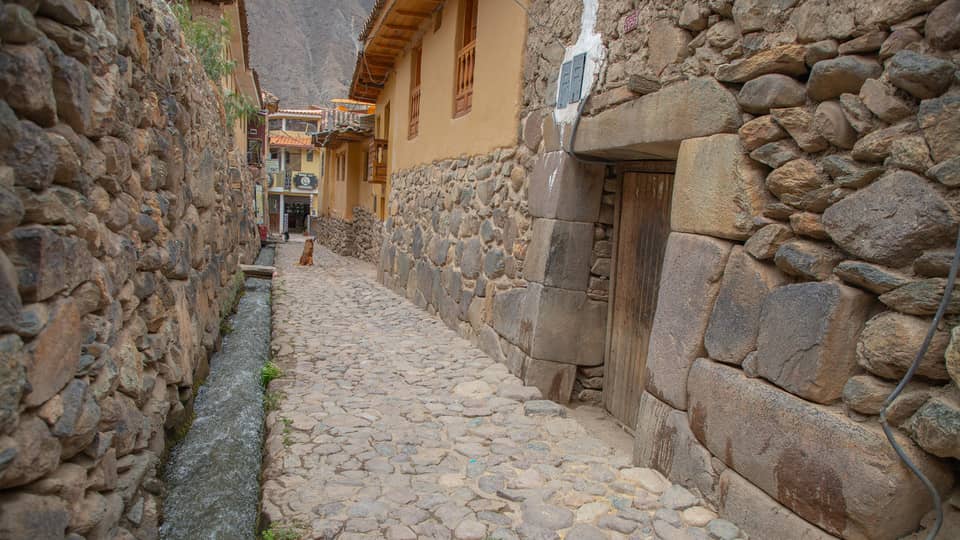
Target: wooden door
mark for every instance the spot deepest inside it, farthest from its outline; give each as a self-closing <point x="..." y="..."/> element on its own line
<point x="643" y="224"/>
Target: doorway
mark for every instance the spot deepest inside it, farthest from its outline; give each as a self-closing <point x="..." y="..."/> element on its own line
<point x="641" y="227"/>
<point x="297" y="210"/>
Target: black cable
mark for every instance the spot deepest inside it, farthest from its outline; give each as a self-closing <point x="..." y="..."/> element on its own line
<point x="887" y="430"/>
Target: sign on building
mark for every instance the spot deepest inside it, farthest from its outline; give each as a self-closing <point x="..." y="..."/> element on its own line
<point x="273" y="165"/>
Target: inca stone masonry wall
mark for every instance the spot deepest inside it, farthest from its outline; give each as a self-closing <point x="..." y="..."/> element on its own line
<point x="814" y="214"/>
<point x="360" y="238"/>
<point x="459" y="243"/>
<point x="123" y="216"/>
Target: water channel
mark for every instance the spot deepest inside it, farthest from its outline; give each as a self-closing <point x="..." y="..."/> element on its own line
<point x="213" y="474"/>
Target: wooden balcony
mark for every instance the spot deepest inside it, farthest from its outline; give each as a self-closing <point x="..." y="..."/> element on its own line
<point x="466" y="59"/>
<point x="377" y="161"/>
<point x="414" y="113"/>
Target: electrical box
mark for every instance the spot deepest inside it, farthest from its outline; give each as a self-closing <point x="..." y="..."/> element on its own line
<point x="570" y="85"/>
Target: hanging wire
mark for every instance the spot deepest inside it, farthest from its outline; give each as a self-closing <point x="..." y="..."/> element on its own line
<point x="887" y="430"/>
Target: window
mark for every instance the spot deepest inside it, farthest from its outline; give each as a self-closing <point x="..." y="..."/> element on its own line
<point x="275" y="154"/>
<point x="276" y="123"/>
<point x="415" y="63"/>
<point x="309" y="155"/>
<point x="466" y="58"/>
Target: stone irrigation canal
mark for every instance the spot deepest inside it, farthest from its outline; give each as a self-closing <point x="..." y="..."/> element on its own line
<point x="386" y="424"/>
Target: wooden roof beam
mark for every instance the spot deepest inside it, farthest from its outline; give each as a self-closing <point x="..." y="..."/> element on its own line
<point x="413" y="13"/>
<point x="401" y="27"/>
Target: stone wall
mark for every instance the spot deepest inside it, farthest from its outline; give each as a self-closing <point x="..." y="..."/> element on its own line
<point x="123" y="216"/>
<point x="368" y="234"/>
<point x="337" y="235"/>
<point x="360" y="238"/>
<point x="814" y="214"/>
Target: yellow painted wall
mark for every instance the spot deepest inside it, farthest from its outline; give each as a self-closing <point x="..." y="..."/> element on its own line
<point x="494" y="117"/>
<point x="339" y="197"/>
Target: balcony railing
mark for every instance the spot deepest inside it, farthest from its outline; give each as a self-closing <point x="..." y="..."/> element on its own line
<point x="414" y="112"/>
<point x="377" y="161"/>
<point x="466" y="59"/>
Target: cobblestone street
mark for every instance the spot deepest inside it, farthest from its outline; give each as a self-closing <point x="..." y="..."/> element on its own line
<point x="392" y="426"/>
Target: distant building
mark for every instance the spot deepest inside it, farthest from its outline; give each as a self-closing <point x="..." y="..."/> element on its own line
<point x="294" y="169"/>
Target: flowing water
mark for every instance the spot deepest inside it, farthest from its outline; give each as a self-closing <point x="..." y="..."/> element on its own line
<point x="213" y="475"/>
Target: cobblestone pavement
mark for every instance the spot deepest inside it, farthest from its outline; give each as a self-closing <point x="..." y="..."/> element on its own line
<point x="392" y="426"/>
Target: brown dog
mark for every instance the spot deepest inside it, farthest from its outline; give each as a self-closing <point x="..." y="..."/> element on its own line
<point x="306" y="259"/>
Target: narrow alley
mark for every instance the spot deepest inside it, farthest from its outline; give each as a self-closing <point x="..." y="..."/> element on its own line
<point x="390" y="425"/>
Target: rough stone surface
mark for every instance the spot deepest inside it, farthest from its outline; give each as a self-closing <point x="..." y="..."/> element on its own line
<point x="883" y="101"/>
<point x="786" y="59"/>
<point x="936" y="427"/>
<point x="735" y="320"/>
<point x="799" y="124"/>
<point x="942" y="25"/>
<point x="871" y="277"/>
<point x="764" y="243"/>
<point x="922" y="76"/>
<point x="685" y="301"/>
<point x="760" y="95"/>
<point x="940" y="121"/>
<point x="807" y="260"/>
<point x="799" y="453"/>
<point x="831" y="123"/>
<point x="892" y="220"/>
<point x="717" y="191"/>
<point x="806" y="342"/>
<point x="890" y="341"/>
<point x="760" y="131"/>
<point x="844" y="74"/>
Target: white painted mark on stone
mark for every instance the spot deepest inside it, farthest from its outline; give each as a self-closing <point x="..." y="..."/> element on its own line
<point x="590" y="42"/>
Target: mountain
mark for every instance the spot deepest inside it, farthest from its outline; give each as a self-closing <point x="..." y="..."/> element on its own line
<point x="305" y="50"/>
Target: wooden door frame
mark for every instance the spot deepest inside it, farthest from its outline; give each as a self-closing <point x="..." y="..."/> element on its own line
<point x="622" y="168"/>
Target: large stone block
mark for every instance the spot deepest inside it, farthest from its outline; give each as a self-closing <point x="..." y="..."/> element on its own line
<point x="892" y="220"/>
<point x="508" y="311"/>
<point x="735" y="320"/>
<point x="564" y="326"/>
<point x="559" y="254"/>
<point x="563" y="188"/>
<point x="665" y="442"/>
<point x="808" y="335"/>
<point x="554" y="380"/>
<point x="839" y="474"/>
<point x="38" y="255"/>
<point x="759" y="515"/>
<point x="654" y="125"/>
<point x="692" y="268"/>
<point x="717" y="189"/>
<point x="54" y="354"/>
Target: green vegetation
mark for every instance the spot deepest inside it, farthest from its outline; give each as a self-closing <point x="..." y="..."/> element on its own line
<point x="287" y="439"/>
<point x="271" y="401"/>
<point x="207" y="39"/>
<point x="238" y="106"/>
<point x="281" y="532"/>
<point x="269" y="372"/>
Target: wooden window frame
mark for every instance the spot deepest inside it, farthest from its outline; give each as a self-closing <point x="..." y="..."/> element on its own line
<point x="466" y="57"/>
<point x="416" y="67"/>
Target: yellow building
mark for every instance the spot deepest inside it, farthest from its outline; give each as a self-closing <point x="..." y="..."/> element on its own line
<point x="241" y="84"/>
<point x="294" y="169"/>
<point x="445" y="76"/>
<point x="351" y="180"/>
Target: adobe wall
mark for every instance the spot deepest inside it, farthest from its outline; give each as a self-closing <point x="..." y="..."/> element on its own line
<point x="814" y="215"/>
<point x="123" y="217"/>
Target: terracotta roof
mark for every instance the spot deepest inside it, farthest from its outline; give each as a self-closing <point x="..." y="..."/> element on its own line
<point x="291" y="140"/>
<point x="354" y="127"/>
